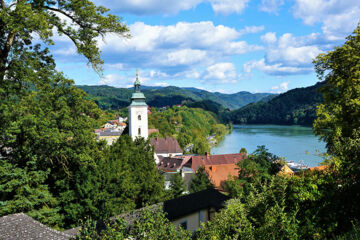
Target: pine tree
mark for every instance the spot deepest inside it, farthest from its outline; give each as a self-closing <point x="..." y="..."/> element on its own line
<point x="200" y="181"/>
<point x="177" y="185"/>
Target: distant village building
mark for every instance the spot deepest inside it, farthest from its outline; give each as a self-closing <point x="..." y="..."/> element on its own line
<point x="111" y="131"/>
<point x="175" y="165"/>
<point x="138" y="113"/>
<point x="207" y="159"/>
<point x="165" y="147"/>
<point x="153" y="130"/>
<point x="110" y="136"/>
<point x="220" y="173"/>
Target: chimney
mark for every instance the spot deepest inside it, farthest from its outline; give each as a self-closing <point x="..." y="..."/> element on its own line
<point x="207" y="154"/>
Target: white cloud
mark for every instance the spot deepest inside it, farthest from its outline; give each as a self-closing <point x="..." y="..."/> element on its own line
<point x="227" y="7"/>
<point x="269" y="38"/>
<point x="176" y="50"/>
<point x="170" y="7"/>
<point x="337" y="17"/>
<point x="283" y="87"/>
<point x="286" y="55"/>
<point x="271" y="6"/>
<point x="220" y="73"/>
<point x="275" y="69"/>
<point x="161" y="84"/>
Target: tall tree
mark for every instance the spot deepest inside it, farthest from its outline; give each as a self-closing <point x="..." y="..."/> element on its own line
<point x="177" y="185"/>
<point x="47" y="146"/>
<point x="200" y="181"/>
<point x="338" y="117"/>
<point x="81" y="21"/>
<point x="131" y="177"/>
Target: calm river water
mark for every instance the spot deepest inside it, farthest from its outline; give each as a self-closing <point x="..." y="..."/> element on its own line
<point x="294" y="143"/>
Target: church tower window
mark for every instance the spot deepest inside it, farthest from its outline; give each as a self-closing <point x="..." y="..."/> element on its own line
<point x="139" y="131"/>
<point x="139" y="117"/>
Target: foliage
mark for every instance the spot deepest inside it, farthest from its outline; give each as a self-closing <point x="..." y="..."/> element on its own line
<point x="187" y="125"/>
<point x="259" y="215"/>
<point x="296" y="106"/>
<point x="20" y="21"/>
<point x="177" y="185"/>
<point x="129" y="177"/>
<point x="338" y="117"/>
<point x="200" y="181"/>
<point x="149" y="223"/>
<point x="256" y="168"/>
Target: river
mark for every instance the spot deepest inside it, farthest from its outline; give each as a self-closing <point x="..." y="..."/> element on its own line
<point x="294" y="143"/>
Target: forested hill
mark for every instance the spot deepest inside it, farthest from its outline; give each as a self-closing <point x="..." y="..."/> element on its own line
<point x="296" y="106"/>
<point x="114" y="98"/>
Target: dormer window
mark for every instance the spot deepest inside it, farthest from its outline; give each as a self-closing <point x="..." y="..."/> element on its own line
<point x="139" y="117"/>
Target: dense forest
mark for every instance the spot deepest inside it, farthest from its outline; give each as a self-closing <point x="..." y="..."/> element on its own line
<point x="115" y="98"/>
<point x="188" y="125"/>
<point x="296" y="106"/>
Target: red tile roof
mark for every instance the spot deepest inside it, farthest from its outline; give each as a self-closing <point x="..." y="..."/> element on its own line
<point x="218" y="174"/>
<point x="208" y="159"/>
<point x="166" y="145"/>
<point x="152" y="130"/>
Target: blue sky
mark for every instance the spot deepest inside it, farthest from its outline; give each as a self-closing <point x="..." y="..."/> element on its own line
<point x="216" y="45"/>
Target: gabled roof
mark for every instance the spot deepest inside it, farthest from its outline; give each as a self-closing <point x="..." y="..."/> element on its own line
<point x="19" y="226"/>
<point x="208" y="159"/>
<point x="218" y="174"/>
<point x="191" y="203"/>
<point x="166" y="145"/>
<point x="169" y="164"/>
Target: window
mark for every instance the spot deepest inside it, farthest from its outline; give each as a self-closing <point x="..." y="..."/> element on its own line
<point x="201" y="216"/>
<point x="139" y="117"/>
<point x="184" y="225"/>
<point x="139" y="131"/>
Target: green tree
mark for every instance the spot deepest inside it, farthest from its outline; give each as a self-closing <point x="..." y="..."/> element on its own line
<point x="148" y="223"/>
<point x="243" y="150"/>
<point x="337" y="121"/>
<point x="20" y="21"/>
<point x="46" y="123"/>
<point x="131" y="177"/>
<point x="200" y="181"/>
<point x="259" y="215"/>
<point x="177" y="185"/>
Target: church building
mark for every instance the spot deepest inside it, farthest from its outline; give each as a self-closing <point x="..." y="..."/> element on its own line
<point x="138" y="113"/>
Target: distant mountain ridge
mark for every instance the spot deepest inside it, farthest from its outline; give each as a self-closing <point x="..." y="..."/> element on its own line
<point x="296" y="106"/>
<point x="108" y="97"/>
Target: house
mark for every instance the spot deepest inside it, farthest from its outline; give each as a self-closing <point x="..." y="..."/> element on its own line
<point x="220" y="173"/>
<point x="19" y="226"/>
<point x="166" y="147"/>
<point x="207" y="159"/>
<point x="285" y="171"/>
<point x="188" y="211"/>
<point x="191" y="210"/>
<point x="109" y="135"/>
<point x="175" y="165"/>
<point x="153" y="130"/>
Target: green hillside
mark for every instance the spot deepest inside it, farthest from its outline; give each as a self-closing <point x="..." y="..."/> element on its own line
<point x="114" y="98"/>
<point x="296" y="106"/>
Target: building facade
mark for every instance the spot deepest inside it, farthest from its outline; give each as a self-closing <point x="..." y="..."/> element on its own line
<point x="138" y="113"/>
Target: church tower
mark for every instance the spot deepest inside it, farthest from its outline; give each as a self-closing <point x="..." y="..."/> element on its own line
<point x="138" y="112"/>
